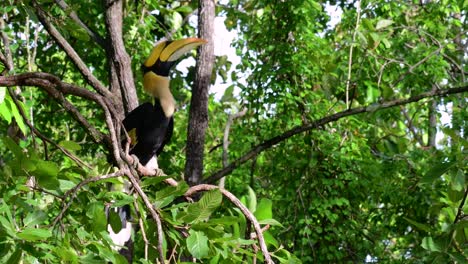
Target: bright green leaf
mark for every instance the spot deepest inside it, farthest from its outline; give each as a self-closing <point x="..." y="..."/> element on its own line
<point x="197" y="244"/>
<point x="34" y="234"/>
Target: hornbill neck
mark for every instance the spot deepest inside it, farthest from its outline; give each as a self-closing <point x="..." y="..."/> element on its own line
<point x="158" y="87"/>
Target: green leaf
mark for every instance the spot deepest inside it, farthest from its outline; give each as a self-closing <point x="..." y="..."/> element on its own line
<point x="115" y="221"/>
<point x="197" y="244"/>
<point x="271" y="222"/>
<point x="70" y="145"/>
<point x="13" y="147"/>
<point x="436" y="171"/>
<point x="419" y="225"/>
<point x="97" y="216"/>
<point x="18" y="117"/>
<point x="2" y="94"/>
<point x="8" y="226"/>
<point x="264" y="209"/>
<point x="202" y="210"/>
<point x="429" y="244"/>
<point x="46" y="173"/>
<point x="34" y="218"/>
<point x="15" y="257"/>
<point x="34" y="234"/>
<point x="5" y="112"/>
<point x="119" y="199"/>
<point x="383" y="23"/>
<point x="150" y="181"/>
<point x="458" y="181"/>
<point x="252" y="200"/>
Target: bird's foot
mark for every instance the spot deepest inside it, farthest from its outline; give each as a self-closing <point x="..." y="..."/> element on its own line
<point x="146" y="171"/>
<point x="159" y="172"/>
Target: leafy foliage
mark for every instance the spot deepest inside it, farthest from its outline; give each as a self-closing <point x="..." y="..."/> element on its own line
<point x="367" y="188"/>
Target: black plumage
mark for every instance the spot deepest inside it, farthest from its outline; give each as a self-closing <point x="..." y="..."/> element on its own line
<point x="152" y="128"/>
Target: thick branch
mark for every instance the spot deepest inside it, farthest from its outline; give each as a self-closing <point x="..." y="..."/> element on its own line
<point x="245" y="211"/>
<point x="325" y="120"/>
<point x="75" y="58"/>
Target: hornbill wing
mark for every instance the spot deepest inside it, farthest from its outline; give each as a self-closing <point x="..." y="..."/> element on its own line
<point x="135" y="119"/>
<point x="149" y="129"/>
<point x="167" y="138"/>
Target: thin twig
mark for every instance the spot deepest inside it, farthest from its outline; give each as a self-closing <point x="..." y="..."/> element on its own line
<point x="245" y="211"/>
<point x="41" y="136"/>
<point x="227" y="129"/>
<point x="73" y="191"/>
<point x="72" y="14"/>
<point x="142" y="228"/>
<point x="350" y="62"/>
<point x="460" y="207"/>
<point x="71" y="53"/>
<point x="154" y="214"/>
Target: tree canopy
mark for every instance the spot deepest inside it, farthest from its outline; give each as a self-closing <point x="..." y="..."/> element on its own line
<point x="335" y="141"/>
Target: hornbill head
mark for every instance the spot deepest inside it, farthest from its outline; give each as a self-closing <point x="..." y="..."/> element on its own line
<point x="161" y="60"/>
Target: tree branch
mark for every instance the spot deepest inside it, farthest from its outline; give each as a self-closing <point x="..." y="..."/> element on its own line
<point x="72" y="192"/>
<point x="75" y="58"/>
<point x="231" y="119"/>
<point x="325" y="120"/>
<point x="153" y="213"/>
<point x="245" y="211"/>
<point x="7" y="57"/>
<point x="72" y="14"/>
<point x="460" y="207"/>
<point x="49" y="83"/>
<point x="41" y="136"/>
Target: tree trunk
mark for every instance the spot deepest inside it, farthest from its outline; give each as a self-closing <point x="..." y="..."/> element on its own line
<point x="120" y="73"/>
<point x="198" y="116"/>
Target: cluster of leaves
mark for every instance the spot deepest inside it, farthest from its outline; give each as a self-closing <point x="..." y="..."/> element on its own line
<point x="365" y="188"/>
<point x="34" y="229"/>
<point x="373" y="187"/>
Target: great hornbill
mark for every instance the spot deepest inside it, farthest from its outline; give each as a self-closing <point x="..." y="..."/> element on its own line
<point x="150" y="125"/>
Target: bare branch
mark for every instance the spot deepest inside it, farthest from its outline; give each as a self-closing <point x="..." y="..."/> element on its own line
<point x="49" y="83"/>
<point x="63" y="43"/>
<point x="41" y="136"/>
<point x="154" y="214"/>
<point x="325" y="120"/>
<point x="72" y="14"/>
<point x="350" y="61"/>
<point x="459" y="215"/>
<point x="73" y="191"/>
<point x="7" y="58"/>
<point x="231" y="119"/>
<point x="245" y="211"/>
